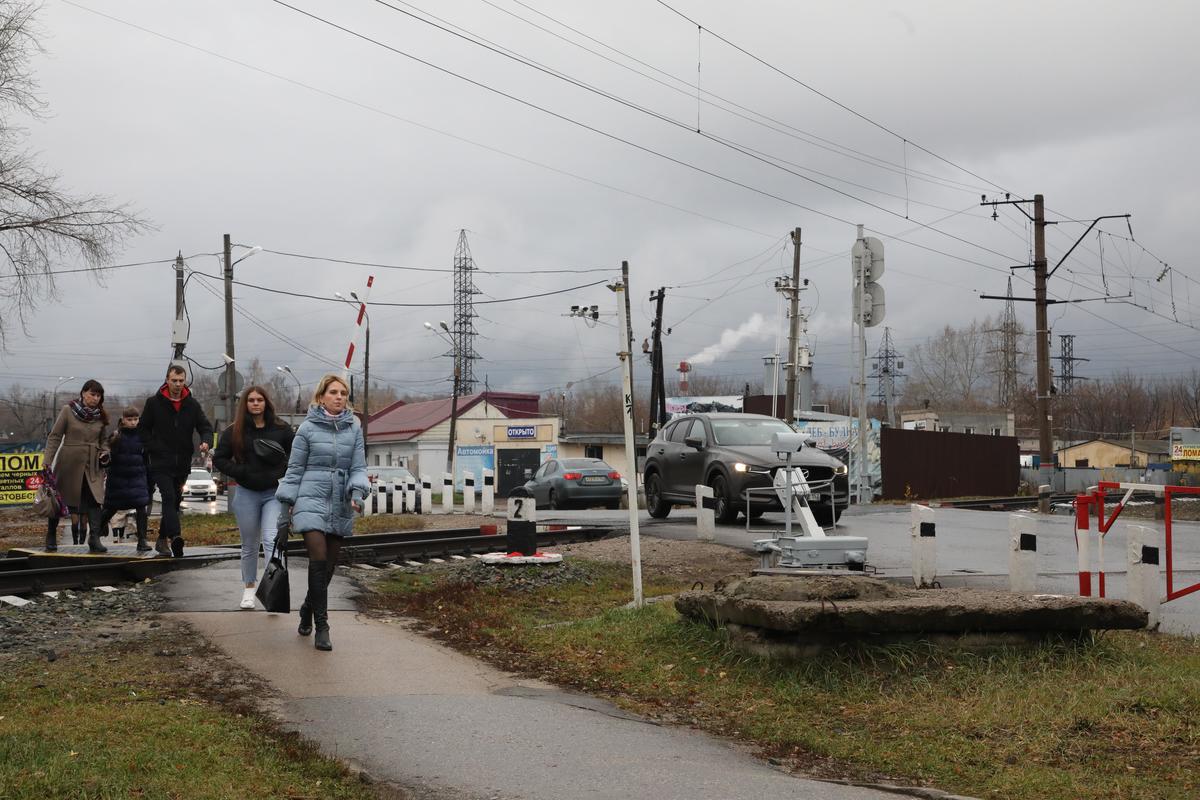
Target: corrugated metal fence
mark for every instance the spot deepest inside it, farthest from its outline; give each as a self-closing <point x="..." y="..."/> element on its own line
<point x="928" y="464"/>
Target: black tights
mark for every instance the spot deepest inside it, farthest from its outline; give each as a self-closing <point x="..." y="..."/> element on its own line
<point x="88" y="515"/>
<point x="323" y="547"/>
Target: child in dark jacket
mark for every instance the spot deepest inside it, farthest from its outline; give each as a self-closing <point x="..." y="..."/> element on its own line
<point x="128" y="483"/>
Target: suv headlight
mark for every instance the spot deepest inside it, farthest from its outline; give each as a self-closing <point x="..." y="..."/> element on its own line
<point x="840" y="469"/>
<point x="738" y="466"/>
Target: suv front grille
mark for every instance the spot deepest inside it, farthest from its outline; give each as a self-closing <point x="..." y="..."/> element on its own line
<point x="811" y="474"/>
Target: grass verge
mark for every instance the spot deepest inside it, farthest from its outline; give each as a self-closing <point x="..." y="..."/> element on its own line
<point x="1110" y="716"/>
<point x="132" y="721"/>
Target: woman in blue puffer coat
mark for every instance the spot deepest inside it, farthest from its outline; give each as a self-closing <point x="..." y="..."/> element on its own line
<point x="325" y="483"/>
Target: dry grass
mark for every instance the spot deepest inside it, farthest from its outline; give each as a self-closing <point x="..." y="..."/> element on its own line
<point x="1113" y="716"/>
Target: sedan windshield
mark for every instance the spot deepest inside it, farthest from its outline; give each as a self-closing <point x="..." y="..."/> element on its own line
<point x="735" y="432"/>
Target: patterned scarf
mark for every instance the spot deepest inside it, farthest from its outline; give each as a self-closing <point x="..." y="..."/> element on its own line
<point x="84" y="413"/>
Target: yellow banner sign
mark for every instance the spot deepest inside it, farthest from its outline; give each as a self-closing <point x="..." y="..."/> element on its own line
<point x="19" y="477"/>
<point x="1185" y="452"/>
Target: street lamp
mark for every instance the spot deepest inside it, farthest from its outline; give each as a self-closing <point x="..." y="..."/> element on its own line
<point x="230" y="369"/>
<point x="454" y="394"/>
<point x="288" y="370"/>
<point x="366" y="360"/>
<point x="54" y="398"/>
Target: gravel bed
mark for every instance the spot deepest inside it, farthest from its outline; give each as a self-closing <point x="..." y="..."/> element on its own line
<point x="77" y="620"/>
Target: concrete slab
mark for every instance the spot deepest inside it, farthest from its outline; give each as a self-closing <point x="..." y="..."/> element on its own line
<point x="972" y="551"/>
<point x="414" y="712"/>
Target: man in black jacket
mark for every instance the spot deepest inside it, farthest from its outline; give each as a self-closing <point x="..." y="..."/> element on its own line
<point x="168" y="421"/>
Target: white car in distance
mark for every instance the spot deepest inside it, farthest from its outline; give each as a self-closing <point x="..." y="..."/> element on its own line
<point x="200" y="483"/>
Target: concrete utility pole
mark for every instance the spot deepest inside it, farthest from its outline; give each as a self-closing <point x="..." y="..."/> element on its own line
<point x="625" y="354"/>
<point x="230" y="371"/>
<point x="179" y="334"/>
<point x="789" y="401"/>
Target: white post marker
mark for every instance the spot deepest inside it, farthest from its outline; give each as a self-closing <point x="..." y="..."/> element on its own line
<point x="410" y="496"/>
<point x="447" y="493"/>
<point x="624" y="353"/>
<point x="924" y="546"/>
<point x="1022" y="553"/>
<point x="706" y="521"/>
<point x="488" y="501"/>
<point x="1143" y="554"/>
<point x="426" y="495"/>
<point x="370" y="502"/>
<point x="522" y="509"/>
<point x="468" y="492"/>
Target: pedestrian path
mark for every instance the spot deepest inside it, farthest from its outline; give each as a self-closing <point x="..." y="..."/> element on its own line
<point x="413" y="712"/>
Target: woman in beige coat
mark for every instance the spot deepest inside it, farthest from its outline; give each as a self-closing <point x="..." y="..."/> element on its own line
<point x="78" y="450"/>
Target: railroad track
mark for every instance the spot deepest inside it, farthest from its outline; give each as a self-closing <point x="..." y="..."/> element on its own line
<point x="1030" y="501"/>
<point x="26" y="575"/>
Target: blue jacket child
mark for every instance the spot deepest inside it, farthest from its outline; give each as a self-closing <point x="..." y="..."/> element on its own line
<point x="127" y="485"/>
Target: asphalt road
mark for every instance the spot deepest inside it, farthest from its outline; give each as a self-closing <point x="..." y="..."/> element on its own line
<point x="972" y="548"/>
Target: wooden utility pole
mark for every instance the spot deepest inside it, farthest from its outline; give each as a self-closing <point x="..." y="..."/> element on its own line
<point x="230" y="371"/>
<point x="1042" y="332"/>
<point x="658" y="400"/>
<point x="1041" y="274"/>
<point x="789" y="402"/>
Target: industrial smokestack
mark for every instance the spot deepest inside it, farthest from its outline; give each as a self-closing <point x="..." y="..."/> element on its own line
<point x="684" y="369"/>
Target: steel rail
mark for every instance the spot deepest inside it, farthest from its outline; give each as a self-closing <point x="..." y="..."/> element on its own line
<point x="24" y="575"/>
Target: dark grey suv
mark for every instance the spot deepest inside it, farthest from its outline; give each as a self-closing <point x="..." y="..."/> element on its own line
<point x="730" y="453"/>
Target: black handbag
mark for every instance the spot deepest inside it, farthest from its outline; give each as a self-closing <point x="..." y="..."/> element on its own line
<point x="274" y="591"/>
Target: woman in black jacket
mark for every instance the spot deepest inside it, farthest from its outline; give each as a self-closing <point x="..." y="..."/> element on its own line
<point x="254" y="452"/>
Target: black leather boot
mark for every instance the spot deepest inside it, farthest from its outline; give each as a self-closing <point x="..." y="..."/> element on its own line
<point x="52" y="536"/>
<point x="318" y="601"/>
<point x="142" y="545"/>
<point x="75" y="533"/>
<point x="305" y="628"/>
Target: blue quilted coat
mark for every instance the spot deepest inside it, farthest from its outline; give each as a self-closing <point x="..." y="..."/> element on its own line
<point x="327" y="468"/>
<point x="127" y="485"/>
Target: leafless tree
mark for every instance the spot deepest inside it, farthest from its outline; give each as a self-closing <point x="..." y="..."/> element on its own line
<point x="951" y="369"/>
<point x="42" y="225"/>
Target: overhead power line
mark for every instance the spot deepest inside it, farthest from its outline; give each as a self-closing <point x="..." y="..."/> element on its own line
<point x="827" y="97"/>
<point x="729" y="144"/>
<point x="644" y="148"/>
<point x="448" y="271"/>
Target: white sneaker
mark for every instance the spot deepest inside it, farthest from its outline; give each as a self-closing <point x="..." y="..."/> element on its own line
<point x="248" y="598"/>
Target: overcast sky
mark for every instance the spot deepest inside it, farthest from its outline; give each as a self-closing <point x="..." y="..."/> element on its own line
<point x="249" y="118"/>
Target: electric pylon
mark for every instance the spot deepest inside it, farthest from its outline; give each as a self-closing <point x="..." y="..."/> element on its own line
<point x="886" y="368"/>
<point x="1066" y="361"/>
<point x="463" y="332"/>
<point x="1007" y="383"/>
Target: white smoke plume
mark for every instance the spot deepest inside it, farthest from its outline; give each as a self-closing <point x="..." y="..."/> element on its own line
<point x="754" y="328"/>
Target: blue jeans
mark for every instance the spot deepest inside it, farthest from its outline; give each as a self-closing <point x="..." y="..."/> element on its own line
<point x="257" y="516"/>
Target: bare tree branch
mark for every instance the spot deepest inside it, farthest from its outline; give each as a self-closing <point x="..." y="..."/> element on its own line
<point x="42" y="225"/>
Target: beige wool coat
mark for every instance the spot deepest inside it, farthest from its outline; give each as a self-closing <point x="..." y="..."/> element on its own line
<point x="79" y="460"/>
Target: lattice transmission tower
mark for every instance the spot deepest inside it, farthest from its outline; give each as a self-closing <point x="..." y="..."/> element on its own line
<point x="1066" y="362"/>
<point x="1008" y="372"/>
<point x="463" y="331"/>
<point x="886" y="368"/>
